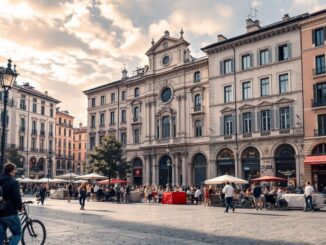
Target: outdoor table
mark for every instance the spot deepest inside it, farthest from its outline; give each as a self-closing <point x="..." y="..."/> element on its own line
<point x="298" y="200"/>
<point x="174" y="198"/>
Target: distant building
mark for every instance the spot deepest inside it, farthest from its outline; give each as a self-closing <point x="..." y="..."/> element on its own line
<point x="31" y="127"/>
<point x="80" y="149"/>
<point x="64" y="142"/>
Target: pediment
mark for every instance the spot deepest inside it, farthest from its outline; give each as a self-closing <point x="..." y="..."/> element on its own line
<point x="197" y="88"/>
<point x="265" y="103"/>
<point x="111" y="130"/>
<point x="246" y="107"/>
<point x="101" y="132"/>
<point x="227" y="109"/>
<point x="284" y="101"/>
<point x="135" y="102"/>
<point x="171" y="43"/>
<point x="166" y="110"/>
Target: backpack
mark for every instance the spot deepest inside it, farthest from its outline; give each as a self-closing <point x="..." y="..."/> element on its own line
<point x="3" y="203"/>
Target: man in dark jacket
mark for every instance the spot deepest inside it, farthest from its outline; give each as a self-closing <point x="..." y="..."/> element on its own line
<point x="9" y="215"/>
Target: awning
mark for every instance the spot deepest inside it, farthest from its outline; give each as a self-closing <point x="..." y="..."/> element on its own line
<point x="313" y="160"/>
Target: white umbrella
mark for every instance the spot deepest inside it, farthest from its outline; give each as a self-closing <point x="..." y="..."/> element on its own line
<point x="43" y="180"/>
<point x="224" y="178"/>
<point x="92" y="176"/>
<point x="58" y="181"/>
<point x="68" y="176"/>
<point x="80" y="181"/>
<point x="26" y="180"/>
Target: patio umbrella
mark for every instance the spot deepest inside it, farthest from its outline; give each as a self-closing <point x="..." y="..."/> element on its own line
<point x="269" y="179"/>
<point x="92" y="176"/>
<point x="80" y="181"/>
<point x="26" y="180"/>
<point x="56" y="180"/>
<point x="68" y="176"/>
<point x="225" y="178"/>
<point x="112" y="181"/>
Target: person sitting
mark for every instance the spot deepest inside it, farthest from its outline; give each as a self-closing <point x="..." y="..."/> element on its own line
<point x="100" y="194"/>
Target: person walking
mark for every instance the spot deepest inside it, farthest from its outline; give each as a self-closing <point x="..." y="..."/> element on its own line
<point x="82" y="196"/>
<point x="308" y="191"/>
<point x="228" y="190"/>
<point x="13" y="203"/>
<point x="257" y="192"/>
<point x="42" y="193"/>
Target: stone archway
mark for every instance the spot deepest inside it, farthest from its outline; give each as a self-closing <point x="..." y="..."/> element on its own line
<point x="250" y="163"/>
<point x="137" y="172"/>
<point x="285" y="163"/>
<point x="165" y="171"/>
<point x="225" y="162"/>
<point x="199" y="165"/>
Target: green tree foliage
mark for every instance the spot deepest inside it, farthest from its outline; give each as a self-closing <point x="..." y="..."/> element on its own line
<point x="107" y="158"/>
<point x="13" y="156"/>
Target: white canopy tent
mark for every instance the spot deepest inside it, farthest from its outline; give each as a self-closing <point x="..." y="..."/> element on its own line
<point x="25" y="180"/>
<point x="68" y="176"/>
<point x="92" y="176"/>
<point x="225" y="178"/>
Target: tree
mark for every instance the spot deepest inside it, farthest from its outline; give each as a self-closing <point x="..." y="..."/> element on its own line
<point x="13" y="156"/>
<point x="107" y="158"/>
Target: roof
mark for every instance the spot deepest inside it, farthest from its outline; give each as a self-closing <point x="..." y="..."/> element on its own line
<point x="30" y="90"/>
<point x="265" y="28"/>
<point x="102" y="86"/>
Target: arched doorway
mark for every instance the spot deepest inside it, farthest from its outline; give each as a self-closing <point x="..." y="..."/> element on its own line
<point x="199" y="169"/>
<point x="285" y="163"/>
<point x="318" y="171"/>
<point x="251" y="163"/>
<point x="137" y="166"/>
<point x="225" y="162"/>
<point x="165" y="171"/>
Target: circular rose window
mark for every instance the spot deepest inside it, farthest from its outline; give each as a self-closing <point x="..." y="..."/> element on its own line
<point x="166" y="60"/>
<point x="166" y="95"/>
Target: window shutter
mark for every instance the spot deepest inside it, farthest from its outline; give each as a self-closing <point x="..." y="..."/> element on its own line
<point x="277" y="118"/>
<point x="251" y="60"/>
<point x="253" y="121"/>
<point x="240" y="123"/>
<point x="276" y="53"/>
<point x="289" y="50"/>
<point x="258" y="121"/>
<point x="221" y="125"/>
<point x="271" y="111"/>
<point x="313" y="36"/>
<point x="270" y="55"/>
<point x="291" y="116"/>
<point x="258" y="58"/>
<point x="221" y="68"/>
<point x="234" y="126"/>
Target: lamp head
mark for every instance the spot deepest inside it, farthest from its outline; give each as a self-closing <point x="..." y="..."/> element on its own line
<point x="8" y="76"/>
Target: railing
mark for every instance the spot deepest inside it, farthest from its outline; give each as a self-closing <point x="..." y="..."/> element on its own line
<point x="321" y="101"/>
<point x="34" y="132"/>
<point x="320" y="132"/>
<point x="22" y="129"/>
<point x="319" y="70"/>
<point x="284" y="131"/>
<point x="135" y="119"/>
<point x="197" y="108"/>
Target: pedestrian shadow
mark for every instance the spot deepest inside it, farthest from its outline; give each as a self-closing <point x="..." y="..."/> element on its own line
<point x="262" y="214"/>
<point x="99" y="210"/>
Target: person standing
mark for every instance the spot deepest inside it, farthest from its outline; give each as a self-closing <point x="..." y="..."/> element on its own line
<point x="42" y="193"/>
<point x="308" y="191"/>
<point x="257" y="196"/>
<point x="82" y="196"/>
<point x="9" y="214"/>
<point x="228" y="190"/>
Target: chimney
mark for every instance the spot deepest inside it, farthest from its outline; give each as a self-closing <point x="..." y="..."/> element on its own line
<point x="286" y="17"/>
<point x="46" y="93"/>
<point x="252" y="25"/>
<point x="221" y="38"/>
<point x="124" y="73"/>
<point x="166" y="33"/>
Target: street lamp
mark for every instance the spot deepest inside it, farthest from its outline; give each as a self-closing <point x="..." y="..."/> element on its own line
<point x="49" y="166"/>
<point x="168" y="163"/>
<point x="7" y="79"/>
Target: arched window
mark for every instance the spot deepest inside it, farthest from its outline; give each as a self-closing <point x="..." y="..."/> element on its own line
<point x="199" y="169"/>
<point x="319" y="150"/>
<point x="225" y="162"/>
<point x="136" y="92"/>
<point x="251" y="163"/>
<point x="166" y="127"/>
<point x="197" y="102"/>
<point x="136" y="113"/>
<point x="197" y="76"/>
<point x="285" y="162"/>
<point x="198" y="128"/>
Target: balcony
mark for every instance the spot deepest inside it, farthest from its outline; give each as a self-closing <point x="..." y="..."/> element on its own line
<point x="265" y="133"/>
<point x="284" y="131"/>
<point x="320" y="132"/>
<point x="34" y="131"/>
<point x="318" y="102"/>
<point x="22" y="107"/>
<point x="319" y="71"/>
<point x="136" y="120"/>
<point x="247" y="135"/>
<point x="22" y="129"/>
<point x="197" y="108"/>
<point x="42" y="133"/>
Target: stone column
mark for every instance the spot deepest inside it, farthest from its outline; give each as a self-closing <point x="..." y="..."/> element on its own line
<point x="173" y="172"/>
<point x="184" y="169"/>
<point x="150" y="125"/>
<point x="212" y="169"/>
<point x="153" y="119"/>
<point x="176" y="160"/>
<point x="154" y="169"/>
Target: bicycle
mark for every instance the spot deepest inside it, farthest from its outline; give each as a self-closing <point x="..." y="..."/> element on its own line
<point x="33" y="231"/>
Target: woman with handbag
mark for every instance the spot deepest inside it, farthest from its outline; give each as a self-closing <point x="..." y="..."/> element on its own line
<point x="82" y="196"/>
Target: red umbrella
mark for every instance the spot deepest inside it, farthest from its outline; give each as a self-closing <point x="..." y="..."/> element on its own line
<point x="268" y="179"/>
<point x="113" y="181"/>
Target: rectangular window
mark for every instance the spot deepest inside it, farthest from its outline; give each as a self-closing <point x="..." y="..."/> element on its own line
<point x="102" y="119"/>
<point x="123" y="116"/>
<point x="265" y="120"/>
<point x="246" y="117"/>
<point x="283" y="83"/>
<point x="285" y="118"/>
<point x="33" y="144"/>
<point x="22" y="125"/>
<point x="320" y="99"/>
<point x="321" y="125"/>
<point x="320" y="64"/>
<point x="34" y="108"/>
<point x="102" y="100"/>
<point x="228" y="121"/>
<point x="246" y="90"/>
<point x="92" y="142"/>
<point x="123" y="138"/>
<point x="93" y="102"/>
<point x="42" y="129"/>
<point x="264" y="57"/>
<point x="34" y="127"/>
<point x="112" y="97"/>
<point x="283" y="52"/>
<point x="246" y="62"/>
<point x="136" y="136"/>
<point x="264" y="86"/>
<point x="112" y="119"/>
<point x="123" y="95"/>
<point x="227" y="94"/>
<point x="51" y="130"/>
<point x="42" y="110"/>
<point x="51" y="112"/>
<point x="21" y="142"/>
<point x="227" y="64"/>
<point x="22" y="104"/>
<point x="50" y="145"/>
<point x="319" y="36"/>
<point x="93" y="121"/>
<point x="69" y="133"/>
<point x="59" y="131"/>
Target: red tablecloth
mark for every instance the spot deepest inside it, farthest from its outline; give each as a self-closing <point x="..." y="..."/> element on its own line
<point x="174" y="198"/>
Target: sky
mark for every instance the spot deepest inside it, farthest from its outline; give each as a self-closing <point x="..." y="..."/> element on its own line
<point x="68" y="46"/>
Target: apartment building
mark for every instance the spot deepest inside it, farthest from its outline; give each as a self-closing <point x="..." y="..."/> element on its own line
<point x="80" y="149"/>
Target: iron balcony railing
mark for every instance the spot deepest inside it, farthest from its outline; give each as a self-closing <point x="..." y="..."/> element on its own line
<point x="320" y="132"/>
<point x="319" y="70"/>
<point x="319" y="101"/>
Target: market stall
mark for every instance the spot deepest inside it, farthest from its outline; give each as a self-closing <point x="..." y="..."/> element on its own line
<point x="174" y="198"/>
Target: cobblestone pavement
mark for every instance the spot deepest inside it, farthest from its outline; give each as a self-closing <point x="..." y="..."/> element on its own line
<point x="110" y="223"/>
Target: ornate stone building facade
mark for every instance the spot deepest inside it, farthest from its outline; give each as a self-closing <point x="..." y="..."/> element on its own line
<point x="80" y="149"/>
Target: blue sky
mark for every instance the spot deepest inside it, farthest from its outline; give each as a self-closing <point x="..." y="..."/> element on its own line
<point x="65" y="47"/>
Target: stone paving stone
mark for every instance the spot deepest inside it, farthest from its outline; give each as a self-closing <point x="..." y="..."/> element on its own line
<point x="110" y="223"/>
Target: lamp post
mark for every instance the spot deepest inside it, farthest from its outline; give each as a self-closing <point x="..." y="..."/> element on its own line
<point x="49" y="166"/>
<point x="7" y="79"/>
<point x="168" y="163"/>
